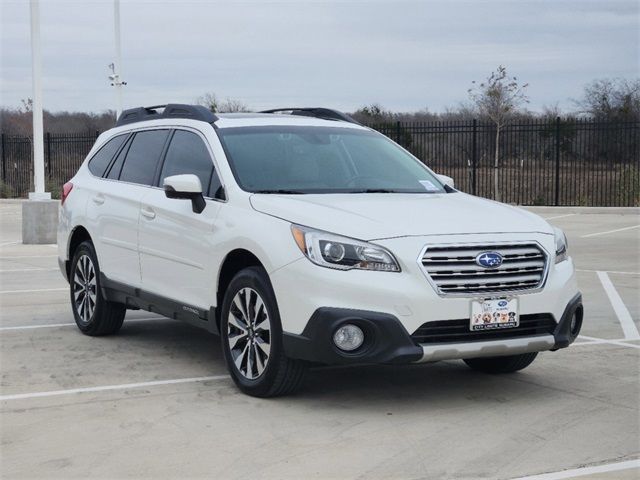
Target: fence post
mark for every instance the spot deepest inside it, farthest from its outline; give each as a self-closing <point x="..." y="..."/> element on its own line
<point x="474" y="156"/>
<point x="4" y="159"/>
<point x="557" y="196"/>
<point x="48" y="153"/>
<point x="398" y="130"/>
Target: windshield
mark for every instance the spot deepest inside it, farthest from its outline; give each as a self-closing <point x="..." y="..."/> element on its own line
<point x="297" y="159"/>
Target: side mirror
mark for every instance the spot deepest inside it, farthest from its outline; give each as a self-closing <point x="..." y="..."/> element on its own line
<point x="446" y="180"/>
<point x="185" y="187"/>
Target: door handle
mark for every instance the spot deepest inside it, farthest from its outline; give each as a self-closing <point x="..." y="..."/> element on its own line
<point x="147" y="212"/>
<point x="98" y="199"/>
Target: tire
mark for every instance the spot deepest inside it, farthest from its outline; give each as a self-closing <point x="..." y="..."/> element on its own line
<point x="94" y="315"/>
<point x="251" y="335"/>
<point x="507" y="364"/>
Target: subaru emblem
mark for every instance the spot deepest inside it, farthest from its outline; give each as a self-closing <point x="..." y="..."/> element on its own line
<point x="489" y="259"/>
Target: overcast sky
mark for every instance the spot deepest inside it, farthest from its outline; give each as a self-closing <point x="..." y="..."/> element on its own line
<point x="405" y="55"/>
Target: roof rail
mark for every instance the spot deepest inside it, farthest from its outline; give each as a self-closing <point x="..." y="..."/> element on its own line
<point x="316" y="112"/>
<point x="172" y="110"/>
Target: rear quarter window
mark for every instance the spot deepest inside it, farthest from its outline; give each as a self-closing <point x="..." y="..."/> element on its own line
<point x="100" y="161"/>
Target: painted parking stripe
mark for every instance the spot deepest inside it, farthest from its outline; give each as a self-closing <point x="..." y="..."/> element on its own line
<point x="561" y="216"/>
<point x="13" y="257"/>
<point x="16" y="270"/>
<point x="105" y="388"/>
<point x="609" y="231"/>
<point x="609" y="271"/>
<point x="72" y="324"/>
<point x="580" y="472"/>
<point x="35" y="291"/>
<point x="599" y="341"/>
<point x="626" y="322"/>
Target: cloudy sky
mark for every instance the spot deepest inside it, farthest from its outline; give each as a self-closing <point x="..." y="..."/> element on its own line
<point x="405" y="55"/>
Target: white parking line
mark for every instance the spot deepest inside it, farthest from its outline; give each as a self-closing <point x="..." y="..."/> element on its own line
<point x="72" y="324"/>
<point x="12" y="257"/>
<point x="626" y="322"/>
<point x="561" y="216"/>
<point x="8" y="243"/>
<point x="608" y="271"/>
<point x="14" y="270"/>
<point x="609" y="231"/>
<point x="580" y="472"/>
<point x="104" y="388"/>
<point x="600" y="341"/>
<point x="34" y="291"/>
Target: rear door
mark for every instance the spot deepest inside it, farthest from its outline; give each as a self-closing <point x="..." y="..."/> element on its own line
<point x="114" y="207"/>
<point x="175" y="243"/>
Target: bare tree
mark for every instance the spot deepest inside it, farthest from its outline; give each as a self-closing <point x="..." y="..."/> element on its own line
<point x="213" y="103"/>
<point x="611" y="100"/>
<point x="498" y="98"/>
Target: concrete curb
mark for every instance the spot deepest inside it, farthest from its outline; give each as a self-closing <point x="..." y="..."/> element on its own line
<point x="585" y="210"/>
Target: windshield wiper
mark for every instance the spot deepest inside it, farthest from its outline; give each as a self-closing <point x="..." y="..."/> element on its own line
<point x="281" y="191"/>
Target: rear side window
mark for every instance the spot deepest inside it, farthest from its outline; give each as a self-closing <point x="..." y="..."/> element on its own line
<point x="100" y="161"/>
<point x="187" y="153"/>
<point x="143" y="157"/>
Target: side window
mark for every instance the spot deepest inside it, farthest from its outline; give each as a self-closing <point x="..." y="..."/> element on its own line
<point x="187" y="153"/>
<point x="215" y="187"/>
<point x="143" y="157"/>
<point x="100" y="161"/>
<point x="114" y="172"/>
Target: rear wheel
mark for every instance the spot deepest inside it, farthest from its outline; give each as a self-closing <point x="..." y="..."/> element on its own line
<point x="507" y="364"/>
<point x="251" y="335"/>
<point x="94" y="315"/>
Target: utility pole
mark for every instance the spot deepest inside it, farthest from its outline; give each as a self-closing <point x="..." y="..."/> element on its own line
<point x="40" y="213"/>
<point x="38" y="130"/>
<point x="116" y="66"/>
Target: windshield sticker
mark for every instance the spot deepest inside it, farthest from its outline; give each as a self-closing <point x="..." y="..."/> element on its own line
<point x="428" y="186"/>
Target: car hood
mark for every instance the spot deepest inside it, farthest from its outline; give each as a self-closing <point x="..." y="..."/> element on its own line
<point x="374" y="216"/>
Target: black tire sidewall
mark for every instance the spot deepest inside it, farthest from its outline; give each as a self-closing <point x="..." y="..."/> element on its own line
<point x="257" y="279"/>
<point x="86" y="248"/>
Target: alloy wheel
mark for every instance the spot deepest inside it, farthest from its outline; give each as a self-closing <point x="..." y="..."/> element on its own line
<point x="84" y="288"/>
<point x="249" y="333"/>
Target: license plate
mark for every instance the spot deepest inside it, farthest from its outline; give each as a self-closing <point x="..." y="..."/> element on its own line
<point x="494" y="313"/>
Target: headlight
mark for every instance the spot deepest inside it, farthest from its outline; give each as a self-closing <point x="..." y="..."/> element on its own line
<point x="561" y="245"/>
<point x="343" y="253"/>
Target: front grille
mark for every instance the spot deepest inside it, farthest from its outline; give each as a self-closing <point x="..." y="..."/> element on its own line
<point x="453" y="269"/>
<point x="457" y="331"/>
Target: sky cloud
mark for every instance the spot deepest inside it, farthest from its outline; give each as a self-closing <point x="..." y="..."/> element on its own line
<point x="406" y="55"/>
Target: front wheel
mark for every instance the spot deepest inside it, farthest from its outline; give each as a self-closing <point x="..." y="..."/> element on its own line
<point x="251" y="335"/>
<point x="506" y="364"/>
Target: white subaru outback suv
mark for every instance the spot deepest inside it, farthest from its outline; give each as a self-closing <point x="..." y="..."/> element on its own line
<point x="300" y="236"/>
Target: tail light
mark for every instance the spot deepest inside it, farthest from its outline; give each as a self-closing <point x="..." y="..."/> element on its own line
<point x="66" y="190"/>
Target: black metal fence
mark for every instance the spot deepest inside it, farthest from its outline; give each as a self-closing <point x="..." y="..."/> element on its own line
<point x="559" y="162"/>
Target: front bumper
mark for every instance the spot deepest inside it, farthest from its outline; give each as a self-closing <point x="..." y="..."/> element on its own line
<point x="387" y="340"/>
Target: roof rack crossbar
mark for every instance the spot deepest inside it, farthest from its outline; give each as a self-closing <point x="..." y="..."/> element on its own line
<point x="172" y="110"/>
<point x="316" y="112"/>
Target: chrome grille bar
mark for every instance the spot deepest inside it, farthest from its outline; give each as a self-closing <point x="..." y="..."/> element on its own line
<point x="453" y="269"/>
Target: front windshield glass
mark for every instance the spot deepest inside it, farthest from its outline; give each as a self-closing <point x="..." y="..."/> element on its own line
<point x="297" y="159"/>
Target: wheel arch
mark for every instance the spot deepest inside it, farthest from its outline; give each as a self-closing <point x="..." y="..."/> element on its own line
<point x="233" y="262"/>
<point x="78" y="235"/>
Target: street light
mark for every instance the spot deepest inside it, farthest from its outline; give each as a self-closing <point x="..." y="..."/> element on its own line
<point x="116" y="67"/>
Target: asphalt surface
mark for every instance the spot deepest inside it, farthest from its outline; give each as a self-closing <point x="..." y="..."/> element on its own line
<point x="73" y="406"/>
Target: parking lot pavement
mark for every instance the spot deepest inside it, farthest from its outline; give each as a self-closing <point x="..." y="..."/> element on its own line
<point x="155" y="400"/>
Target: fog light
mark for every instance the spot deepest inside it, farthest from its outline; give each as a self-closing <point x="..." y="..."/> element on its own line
<point x="348" y="337"/>
<point x="576" y="323"/>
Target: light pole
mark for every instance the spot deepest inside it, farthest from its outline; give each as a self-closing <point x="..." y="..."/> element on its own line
<point x="116" y="67"/>
<point x="38" y="130"/>
<point x="40" y="213"/>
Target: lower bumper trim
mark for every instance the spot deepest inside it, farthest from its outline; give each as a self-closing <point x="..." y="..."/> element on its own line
<point x="491" y="348"/>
